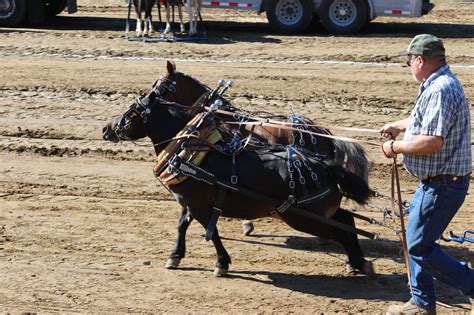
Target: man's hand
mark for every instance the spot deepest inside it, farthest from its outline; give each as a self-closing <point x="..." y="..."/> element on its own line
<point x="392" y="130"/>
<point x="389" y="131"/>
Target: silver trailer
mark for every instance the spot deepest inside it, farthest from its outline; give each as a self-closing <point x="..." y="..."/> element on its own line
<point x="33" y="12"/>
<point x="337" y="16"/>
<point x="287" y="16"/>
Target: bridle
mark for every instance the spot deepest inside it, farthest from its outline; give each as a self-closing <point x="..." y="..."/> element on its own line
<point x="165" y="84"/>
<point x="137" y="110"/>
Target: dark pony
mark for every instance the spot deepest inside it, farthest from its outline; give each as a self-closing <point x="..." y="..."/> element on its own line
<point x="176" y="86"/>
<point x="264" y="175"/>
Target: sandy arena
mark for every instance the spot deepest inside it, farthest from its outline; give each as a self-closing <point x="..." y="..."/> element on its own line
<point x="84" y="225"/>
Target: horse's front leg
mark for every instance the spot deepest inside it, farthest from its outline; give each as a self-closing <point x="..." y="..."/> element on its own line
<point x="179" y="249"/>
<point x="223" y="258"/>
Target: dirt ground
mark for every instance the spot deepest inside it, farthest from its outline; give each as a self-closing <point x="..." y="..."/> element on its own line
<point x="84" y="225"/>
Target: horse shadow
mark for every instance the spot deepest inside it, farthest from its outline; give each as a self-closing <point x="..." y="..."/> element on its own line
<point x="373" y="249"/>
<point x="381" y="287"/>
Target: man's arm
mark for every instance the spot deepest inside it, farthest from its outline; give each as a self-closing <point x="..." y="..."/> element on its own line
<point x="421" y="145"/>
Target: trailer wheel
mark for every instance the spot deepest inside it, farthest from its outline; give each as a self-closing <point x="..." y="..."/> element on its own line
<point x="55" y="7"/>
<point x="290" y="16"/>
<point x="12" y="12"/>
<point x="343" y="16"/>
<point x="36" y="12"/>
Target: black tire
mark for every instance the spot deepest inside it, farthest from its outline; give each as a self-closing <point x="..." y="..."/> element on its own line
<point x="343" y="16"/>
<point x="14" y="14"/>
<point x="54" y="7"/>
<point x="290" y="16"/>
<point x="36" y="12"/>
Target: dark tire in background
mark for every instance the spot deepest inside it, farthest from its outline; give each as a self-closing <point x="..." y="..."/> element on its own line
<point x="54" y="7"/>
<point x="36" y="12"/>
<point x="12" y="12"/>
<point x="290" y="16"/>
<point x="343" y="16"/>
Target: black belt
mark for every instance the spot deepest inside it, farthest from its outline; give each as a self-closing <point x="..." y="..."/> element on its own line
<point x="445" y="178"/>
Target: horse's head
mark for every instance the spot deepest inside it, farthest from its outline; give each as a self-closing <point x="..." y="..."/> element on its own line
<point x="131" y="125"/>
<point x="178" y="87"/>
<point x="149" y="116"/>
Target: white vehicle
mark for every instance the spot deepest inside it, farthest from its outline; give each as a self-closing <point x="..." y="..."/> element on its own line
<point x="337" y="16"/>
<point x="287" y="16"/>
<point x="16" y="12"/>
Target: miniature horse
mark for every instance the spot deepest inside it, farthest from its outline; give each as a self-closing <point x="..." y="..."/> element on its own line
<point x="159" y="120"/>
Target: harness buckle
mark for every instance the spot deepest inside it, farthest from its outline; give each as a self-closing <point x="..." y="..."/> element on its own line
<point x="234" y="179"/>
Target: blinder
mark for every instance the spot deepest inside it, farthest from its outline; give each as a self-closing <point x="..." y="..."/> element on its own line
<point x="137" y="110"/>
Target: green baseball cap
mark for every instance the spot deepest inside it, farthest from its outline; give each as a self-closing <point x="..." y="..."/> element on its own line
<point x="425" y="45"/>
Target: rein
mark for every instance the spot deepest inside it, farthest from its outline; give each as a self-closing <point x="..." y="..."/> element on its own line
<point x="395" y="187"/>
<point x="286" y="125"/>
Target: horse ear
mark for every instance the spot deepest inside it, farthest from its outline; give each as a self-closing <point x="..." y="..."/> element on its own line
<point x="170" y="66"/>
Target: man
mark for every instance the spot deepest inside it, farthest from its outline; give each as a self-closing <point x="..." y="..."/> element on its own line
<point x="436" y="149"/>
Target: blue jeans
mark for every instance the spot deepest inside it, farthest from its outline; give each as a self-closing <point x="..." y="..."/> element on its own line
<point x="432" y="208"/>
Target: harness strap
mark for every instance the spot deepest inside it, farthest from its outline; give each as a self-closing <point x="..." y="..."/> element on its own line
<point x="198" y="173"/>
<point x="216" y="212"/>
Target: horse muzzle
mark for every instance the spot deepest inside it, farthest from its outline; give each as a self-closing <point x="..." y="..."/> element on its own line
<point x="108" y="134"/>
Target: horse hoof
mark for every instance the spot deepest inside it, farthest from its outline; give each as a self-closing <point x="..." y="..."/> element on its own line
<point x="220" y="272"/>
<point x="172" y="263"/>
<point x="247" y="227"/>
<point x="367" y="268"/>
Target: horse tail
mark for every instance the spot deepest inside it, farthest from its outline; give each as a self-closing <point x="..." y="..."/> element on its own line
<point x="351" y="185"/>
<point x="353" y="158"/>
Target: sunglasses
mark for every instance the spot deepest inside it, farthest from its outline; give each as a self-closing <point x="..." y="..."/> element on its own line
<point x="410" y="59"/>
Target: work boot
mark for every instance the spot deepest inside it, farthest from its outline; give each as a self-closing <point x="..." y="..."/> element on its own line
<point x="410" y="308"/>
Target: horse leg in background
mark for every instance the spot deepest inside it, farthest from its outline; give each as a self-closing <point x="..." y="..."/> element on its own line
<point x="137" y="4"/>
<point x="179" y="250"/>
<point x="348" y="240"/>
<point x="182" y="28"/>
<point x="168" y="17"/>
<point x="192" y="22"/>
<point x="148" y="28"/>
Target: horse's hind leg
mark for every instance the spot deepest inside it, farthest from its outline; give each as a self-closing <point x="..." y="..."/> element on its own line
<point x="349" y="241"/>
<point x="179" y="249"/>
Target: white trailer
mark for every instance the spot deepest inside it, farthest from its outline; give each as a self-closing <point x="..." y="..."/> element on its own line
<point x="16" y="12"/>
<point x="337" y="16"/>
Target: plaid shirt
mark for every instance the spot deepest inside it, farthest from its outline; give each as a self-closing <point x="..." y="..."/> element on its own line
<point x="441" y="109"/>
